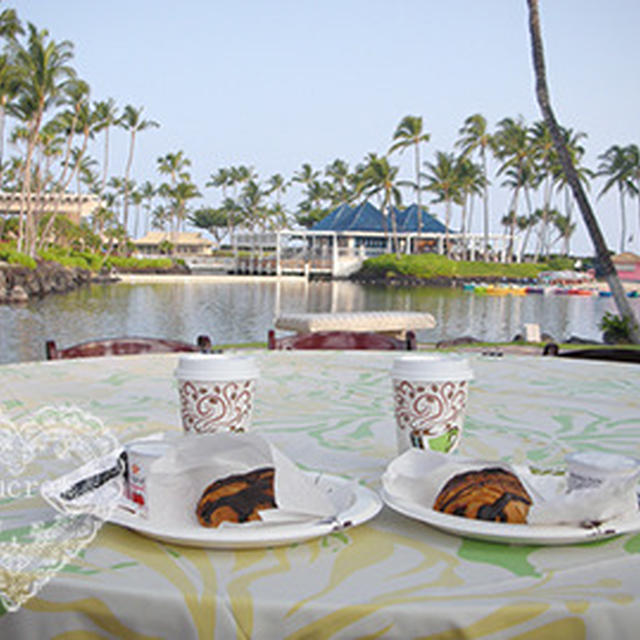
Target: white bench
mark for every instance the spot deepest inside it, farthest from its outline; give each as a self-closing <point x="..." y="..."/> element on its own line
<point x="394" y="323"/>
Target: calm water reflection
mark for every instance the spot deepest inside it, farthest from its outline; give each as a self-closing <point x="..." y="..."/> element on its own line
<point x="243" y="312"/>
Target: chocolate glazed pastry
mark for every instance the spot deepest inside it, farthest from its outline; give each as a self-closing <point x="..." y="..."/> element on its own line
<point x="489" y="494"/>
<point x="237" y="498"/>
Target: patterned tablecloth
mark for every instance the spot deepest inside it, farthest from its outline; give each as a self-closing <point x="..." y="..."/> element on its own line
<point x="391" y="578"/>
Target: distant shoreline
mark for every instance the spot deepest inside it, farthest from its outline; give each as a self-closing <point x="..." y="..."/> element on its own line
<point x="150" y="278"/>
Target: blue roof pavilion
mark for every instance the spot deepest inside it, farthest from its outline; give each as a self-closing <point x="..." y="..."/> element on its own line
<point x="367" y="218"/>
<point x="407" y="221"/>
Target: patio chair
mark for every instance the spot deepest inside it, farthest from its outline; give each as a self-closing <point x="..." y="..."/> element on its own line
<point x="597" y="353"/>
<point x="126" y="346"/>
<point x="342" y="340"/>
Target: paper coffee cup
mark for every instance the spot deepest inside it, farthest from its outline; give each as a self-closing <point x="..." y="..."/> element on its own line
<point x="216" y="392"/>
<point x="430" y="400"/>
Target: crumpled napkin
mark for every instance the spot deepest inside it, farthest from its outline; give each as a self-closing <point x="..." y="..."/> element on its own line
<point x="178" y="479"/>
<point x="418" y="475"/>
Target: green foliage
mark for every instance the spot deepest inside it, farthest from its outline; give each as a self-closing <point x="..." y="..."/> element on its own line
<point x="433" y="266"/>
<point x="15" y="257"/>
<point x="616" y="329"/>
<point x="560" y="263"/>
<point x="139" y="264"/>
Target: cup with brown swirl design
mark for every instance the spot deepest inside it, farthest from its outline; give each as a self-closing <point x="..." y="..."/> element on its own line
<point x="430" y="395"/>
<point x="217" y="392"/>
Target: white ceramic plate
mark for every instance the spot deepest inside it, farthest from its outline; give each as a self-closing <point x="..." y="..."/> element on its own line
<point x="355" y="503"/>
<point x="512" y="533"/>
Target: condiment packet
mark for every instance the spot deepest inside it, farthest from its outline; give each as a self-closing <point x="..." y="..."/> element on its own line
<point x="177" y="479"/>
<point x="418" y="475"/>
<point x="94" y="489"/>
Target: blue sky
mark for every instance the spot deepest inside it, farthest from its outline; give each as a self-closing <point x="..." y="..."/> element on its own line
<point x="279" y="83"/>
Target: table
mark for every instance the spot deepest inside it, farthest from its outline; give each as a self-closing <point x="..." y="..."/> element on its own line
<point x="393" y="323"/>
<point x="390" y="578"/>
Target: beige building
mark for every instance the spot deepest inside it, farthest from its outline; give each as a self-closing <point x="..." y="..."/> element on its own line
<point x="74" y="206"/>
<point x="185" y="243"/>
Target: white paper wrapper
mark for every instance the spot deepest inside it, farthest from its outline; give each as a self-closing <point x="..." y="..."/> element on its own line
<point x="95" y="488"/>
<point x="418" y="475"/>
<point x="178" y="479"/>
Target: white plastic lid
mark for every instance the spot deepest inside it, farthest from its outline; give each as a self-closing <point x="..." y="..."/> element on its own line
<point x="598" y="462"/>
<point x="204" y="366"/>
<point x="432" y="367"/>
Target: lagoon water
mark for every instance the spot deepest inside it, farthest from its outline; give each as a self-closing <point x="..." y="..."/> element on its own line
<point x="239" y="312"/>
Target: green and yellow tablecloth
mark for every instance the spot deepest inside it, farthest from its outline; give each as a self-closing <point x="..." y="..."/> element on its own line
<point x="390" y="578"/>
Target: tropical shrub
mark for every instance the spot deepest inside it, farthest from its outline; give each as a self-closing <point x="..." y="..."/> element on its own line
<point x="15" y="257"/>
<point x="434" y="265"/>
<point x="139" y="264"/>
<point x="616" y="329"/>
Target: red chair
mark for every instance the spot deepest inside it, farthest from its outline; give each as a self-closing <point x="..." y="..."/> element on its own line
<point x="596" y="353"/>
<point x="126" y="346"/>
<point x="342" y="340"/>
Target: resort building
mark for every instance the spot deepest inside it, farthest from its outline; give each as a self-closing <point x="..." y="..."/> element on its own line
<point x="627" y="266"/>
<point x="338" y="244"/>
<point x="74" y="206"/>
<point x="183" y="243"/>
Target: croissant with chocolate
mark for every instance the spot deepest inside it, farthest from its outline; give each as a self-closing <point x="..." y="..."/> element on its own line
<point x="237" y="498"/>
<point x="492" y="494"/>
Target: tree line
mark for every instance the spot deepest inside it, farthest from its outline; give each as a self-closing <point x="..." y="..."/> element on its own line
<point x="56" y="126"/>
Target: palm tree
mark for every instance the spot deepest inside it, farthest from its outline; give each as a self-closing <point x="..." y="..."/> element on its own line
<point x="633" y="154"/>
<point x="44" y="72"/>
<point x="379" y="177"/>
<point x="278" y="186"/>
<point x="220" y="180"/>
<point x="442" y="180"/>
<point x="184" y="191"/>
<point x="132" y="122"/>
<point x="565" y="228"/>
<point x="512" y="146"/>
<point x="106" y="115"/>
<point x="341" y="192"/>
<point x="475" y="136"/>
<point x="148" y="192"/>
<point x="602" y="253"/>
<point x="9" y="85"/>
<point x="470" y="181"/>
<point x="409" y="133"/>
<point x="617" y="165"/>
<point x="174" y="165"/>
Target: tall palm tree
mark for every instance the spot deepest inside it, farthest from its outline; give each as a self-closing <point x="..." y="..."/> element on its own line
<point x="565" y="228"/>
<point x="132" y="122"/>
<point x="602" y="254"/>
<point x="148" y="192"/>
<point x="512" y="146"/>
<point x="633" y="154"/>
<point x="106" y="115"/>
<point x="475" y="136"/>
<point x="617" y="165"/>
<point x="9" y="85"/>
<point x="380" y="178"/>
<point x="409" y="133"/>
<point x="543" y="159"/>
<point x="470" y="181"/>
<point x="442" y="180"/>
<point x="44" y="72"/>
